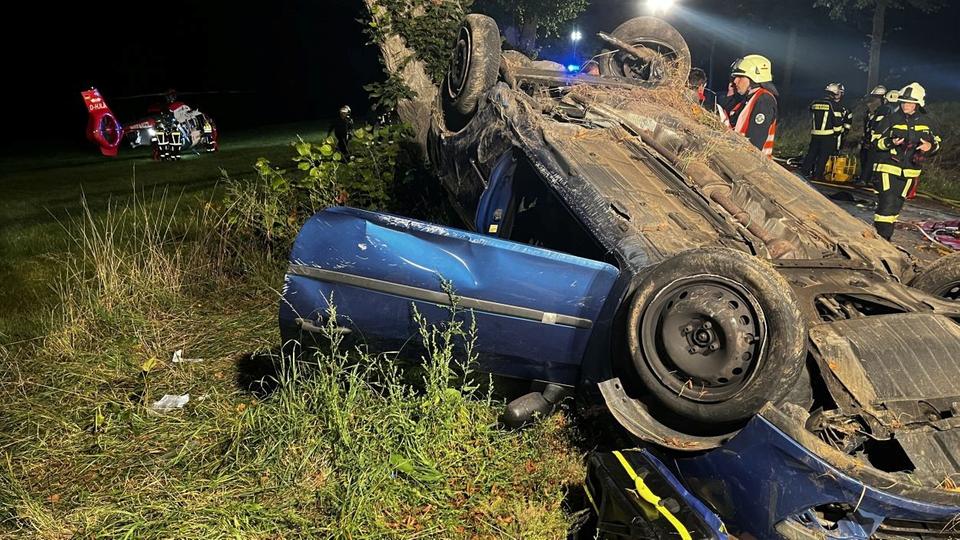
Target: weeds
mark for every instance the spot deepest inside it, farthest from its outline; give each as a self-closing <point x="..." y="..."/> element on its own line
<point x="350" y="445"/>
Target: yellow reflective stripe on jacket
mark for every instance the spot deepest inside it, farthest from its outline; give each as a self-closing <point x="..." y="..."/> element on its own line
<point x="885" y="219"/>
<point x="911" y="173"/>
<point x="823" y="132"/>
<point x="644" y="493"/>
<point x="885" y="181"/>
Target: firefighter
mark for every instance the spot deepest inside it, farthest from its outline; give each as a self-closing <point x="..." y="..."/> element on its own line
<point x="750" y="107"/>
<point x="697" y="85"/>
<point x="876" y="112"/>
<point x="343" y="128"/>
<point x="842" y="115"/>
<point x="904" y="140"/>
<point x="891" y="102"/>
<point x="826" y="133"/>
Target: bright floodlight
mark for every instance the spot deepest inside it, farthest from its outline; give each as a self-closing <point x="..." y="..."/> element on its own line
<point x="575" y="36"/>
<point x="659" y="6"/>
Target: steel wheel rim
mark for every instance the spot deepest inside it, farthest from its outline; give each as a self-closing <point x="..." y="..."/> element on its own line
<point x="652" y="70"/>
<point x="460" y="64"/>
<point x="703" y="337"/>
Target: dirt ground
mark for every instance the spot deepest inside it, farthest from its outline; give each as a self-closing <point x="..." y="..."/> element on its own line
<point x="862" y="202"/>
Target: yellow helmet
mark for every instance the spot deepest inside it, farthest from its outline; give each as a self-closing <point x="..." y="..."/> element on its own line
<point x="754" y="67"/>
<point x="913" y="93"/>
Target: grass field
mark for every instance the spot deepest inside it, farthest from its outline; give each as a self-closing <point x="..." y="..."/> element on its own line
<point x="109" y="266"/>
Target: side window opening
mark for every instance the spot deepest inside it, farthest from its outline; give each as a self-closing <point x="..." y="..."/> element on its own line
<point x="536" y="216"/>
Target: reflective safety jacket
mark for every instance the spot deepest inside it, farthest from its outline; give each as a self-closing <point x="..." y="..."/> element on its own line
<point x="829" y="118"/>
<point x="904" y="159"/>
<point x="754" y="116"/>
<point x="871" y="123"/>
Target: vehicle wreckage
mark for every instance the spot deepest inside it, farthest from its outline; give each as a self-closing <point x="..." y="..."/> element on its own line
<point x="799" y="370"/>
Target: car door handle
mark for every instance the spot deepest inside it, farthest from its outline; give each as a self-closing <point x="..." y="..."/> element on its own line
<point x="309" y="326"/>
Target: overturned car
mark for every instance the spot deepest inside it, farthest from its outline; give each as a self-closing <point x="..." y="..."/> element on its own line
<point x="801" y="370"/>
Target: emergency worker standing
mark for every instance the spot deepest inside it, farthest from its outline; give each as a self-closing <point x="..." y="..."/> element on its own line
<point x="830" y="121"/>
<point x="750" y="107"/>
<point x="904" y="140"/>
<point x="876" y="112"/>
<point x="342" y="130"/>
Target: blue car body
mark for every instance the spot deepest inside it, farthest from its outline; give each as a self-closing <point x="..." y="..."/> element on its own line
<point x="569" y="213"/>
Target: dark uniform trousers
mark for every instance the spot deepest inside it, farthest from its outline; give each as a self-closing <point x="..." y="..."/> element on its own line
<point x="899" y="166"/>
<point x="818" y="153"/>
<point x="892" y="187"/>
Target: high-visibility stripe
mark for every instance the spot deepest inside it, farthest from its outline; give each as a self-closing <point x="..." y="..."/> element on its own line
<point x="911" y="173"/>
<point x="887" y="168"/>
<point x="885" y="219"/>
<point x="644" y="492"/>
<point x="823" y="132"/>
<point x="746" y="116"/>
<point x="906" y="188"/>
<point x="901" y="126"/>
<point x="767" y="149"/>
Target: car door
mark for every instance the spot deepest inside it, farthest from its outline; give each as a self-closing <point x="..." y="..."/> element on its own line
<point x="534" y="308"/>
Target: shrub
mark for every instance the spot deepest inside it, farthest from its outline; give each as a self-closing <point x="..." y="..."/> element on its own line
<point x="272" y="207"/>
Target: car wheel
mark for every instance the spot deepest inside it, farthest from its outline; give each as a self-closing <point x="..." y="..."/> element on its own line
<point x="474" y="66"/>
<point x="714" y="334"/>
<point x="666" y="55"/>
<point x="942" y="278"/>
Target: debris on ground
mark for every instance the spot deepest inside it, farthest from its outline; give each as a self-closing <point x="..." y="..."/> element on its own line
<point x="944" y="233"/>
<point x="170" y="402"/>
<point x="178" y="357"/>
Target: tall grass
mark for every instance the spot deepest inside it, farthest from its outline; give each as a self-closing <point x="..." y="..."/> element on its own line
<point x="349" y="445"/>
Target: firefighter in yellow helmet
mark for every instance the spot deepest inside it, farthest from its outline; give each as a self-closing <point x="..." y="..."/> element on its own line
<point x="904" y="141"/>
<point x="750" y="107"/>
<point x="830" y="123"/>
<point x="876" y="112"/>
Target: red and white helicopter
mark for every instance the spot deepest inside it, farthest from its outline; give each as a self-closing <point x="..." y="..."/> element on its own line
<point x="170" y="129"/>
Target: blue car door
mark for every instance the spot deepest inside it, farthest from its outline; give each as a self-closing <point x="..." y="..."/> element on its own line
<point x="534" y="308"/>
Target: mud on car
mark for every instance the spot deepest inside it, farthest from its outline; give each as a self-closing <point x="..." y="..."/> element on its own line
<point x="799" y="371"/>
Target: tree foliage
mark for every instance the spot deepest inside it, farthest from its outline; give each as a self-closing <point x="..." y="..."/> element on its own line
<point x="429" y="28"/>
<point x="523" y="21"/>
<point x="840" y="9"/>
<point x="549" y="16"/>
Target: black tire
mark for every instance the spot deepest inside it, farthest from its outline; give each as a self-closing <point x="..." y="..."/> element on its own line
<point x="942" y="278"/>
<point x="672" y="65"/>
<point x="714" y="334"/>
<point x="474" y="66"/>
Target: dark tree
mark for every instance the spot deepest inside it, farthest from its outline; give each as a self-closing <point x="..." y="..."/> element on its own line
<point x="841" y="9"/>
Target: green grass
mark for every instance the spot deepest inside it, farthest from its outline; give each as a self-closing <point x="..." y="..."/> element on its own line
<point x="104" y="282"/>
<point x="38" y="192"/>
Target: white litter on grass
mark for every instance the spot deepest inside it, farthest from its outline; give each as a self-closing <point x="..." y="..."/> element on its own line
<point x="178" y="357"/>
<point x="170" y="402"/>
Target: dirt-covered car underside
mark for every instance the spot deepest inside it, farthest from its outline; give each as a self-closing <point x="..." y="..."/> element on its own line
<point x="741" y="294"/>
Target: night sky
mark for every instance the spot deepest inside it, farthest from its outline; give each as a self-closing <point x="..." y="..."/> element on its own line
<point x="300" y="60"/>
